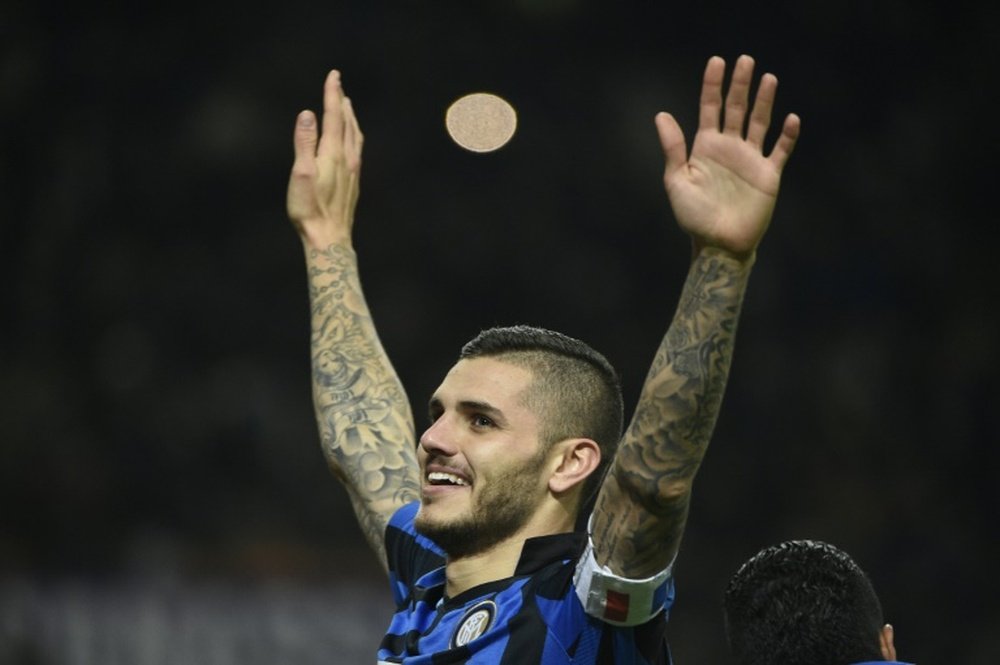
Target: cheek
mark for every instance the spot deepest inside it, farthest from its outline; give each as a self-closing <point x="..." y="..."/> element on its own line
<point x="507" y="476"/>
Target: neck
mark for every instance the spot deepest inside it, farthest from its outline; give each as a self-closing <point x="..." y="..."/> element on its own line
<point x="469" y="571"/>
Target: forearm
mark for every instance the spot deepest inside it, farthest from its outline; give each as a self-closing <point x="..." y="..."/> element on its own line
<point x="650" y="479"/>
<point x="363" y="414"/>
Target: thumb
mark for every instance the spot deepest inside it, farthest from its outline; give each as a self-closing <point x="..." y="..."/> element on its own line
<point x="672" y="142"/>
<point x="300" y="197"/>
<point x="305" y="137"/>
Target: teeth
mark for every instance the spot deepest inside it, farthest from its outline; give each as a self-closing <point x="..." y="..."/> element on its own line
<point x="439" y="476"/>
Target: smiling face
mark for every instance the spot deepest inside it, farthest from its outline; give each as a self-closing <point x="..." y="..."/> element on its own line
<point x="481" y="458"/>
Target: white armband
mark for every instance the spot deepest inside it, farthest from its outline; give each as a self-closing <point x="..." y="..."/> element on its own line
<point x="618" y="600"/>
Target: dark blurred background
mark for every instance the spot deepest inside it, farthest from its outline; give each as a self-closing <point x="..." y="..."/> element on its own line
<point x="163" y="495"/>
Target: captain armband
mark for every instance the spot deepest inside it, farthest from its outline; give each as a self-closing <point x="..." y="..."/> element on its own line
<point x="619" y="600"/>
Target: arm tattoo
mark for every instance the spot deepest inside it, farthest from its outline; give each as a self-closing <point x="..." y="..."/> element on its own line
<point x="363" y="414"/>
<point x="642" y="509"/>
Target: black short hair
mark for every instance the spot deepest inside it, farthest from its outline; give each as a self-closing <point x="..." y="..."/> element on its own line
<point x="575" y="392"/>
<point x="802" y="602"/>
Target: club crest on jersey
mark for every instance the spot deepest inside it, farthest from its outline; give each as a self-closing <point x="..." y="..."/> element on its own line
<point x="476" y="621"/>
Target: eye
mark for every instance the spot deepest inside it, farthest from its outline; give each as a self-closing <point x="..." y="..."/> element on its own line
<point x="481" y="421"/>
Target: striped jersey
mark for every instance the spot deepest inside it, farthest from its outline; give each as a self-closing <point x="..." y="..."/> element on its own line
<point x="560" y="606"/>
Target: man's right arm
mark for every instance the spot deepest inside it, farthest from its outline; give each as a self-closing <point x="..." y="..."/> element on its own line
<point x="363" y="414"/>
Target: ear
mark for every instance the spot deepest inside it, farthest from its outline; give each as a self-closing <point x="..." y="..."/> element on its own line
<point x="885" y="639"/>
<point x="573" y="461"/>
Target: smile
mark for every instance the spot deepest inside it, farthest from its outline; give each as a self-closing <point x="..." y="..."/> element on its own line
<point x="442" y="478"/>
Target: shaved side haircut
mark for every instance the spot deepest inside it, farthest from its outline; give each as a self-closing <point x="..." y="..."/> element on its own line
<point x="575" y="392"/>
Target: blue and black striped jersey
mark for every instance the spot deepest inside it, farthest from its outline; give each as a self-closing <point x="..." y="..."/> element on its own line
<point x="535" y="616"/>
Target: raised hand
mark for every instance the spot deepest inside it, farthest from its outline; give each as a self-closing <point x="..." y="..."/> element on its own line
<point x="362" y="412"/>
<point x="723" y="195"/>
<point x="325" y="181"/>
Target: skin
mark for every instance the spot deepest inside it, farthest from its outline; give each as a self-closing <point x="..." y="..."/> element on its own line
<point x="886" y="642"/>
<point x="366" y="428"/>
<point x="483" y="431"/>
<point x="723" y="194"/>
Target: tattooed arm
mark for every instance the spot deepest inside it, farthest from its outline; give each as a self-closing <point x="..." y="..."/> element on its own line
<point x="363" y="414"/>
<point x="723" y="197"/>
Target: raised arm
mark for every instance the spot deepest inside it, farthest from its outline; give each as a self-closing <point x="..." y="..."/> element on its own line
<point x="723" y="197"/>
<point x="364" y="419"/>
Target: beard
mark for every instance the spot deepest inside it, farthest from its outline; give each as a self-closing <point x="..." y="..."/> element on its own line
<point x="505" y="505"/>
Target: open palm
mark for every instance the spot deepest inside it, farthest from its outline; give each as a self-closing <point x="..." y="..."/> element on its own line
<point x="723" y="195"/>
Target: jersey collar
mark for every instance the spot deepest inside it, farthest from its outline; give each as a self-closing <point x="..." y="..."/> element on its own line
<point x="541" y="551"/>
<point x="536" y="553"/>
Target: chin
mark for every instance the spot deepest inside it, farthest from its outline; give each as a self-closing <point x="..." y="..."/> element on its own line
<point x="429" y="518"/>
<point x="455" y="535"/>
<point x="441" y="511"/>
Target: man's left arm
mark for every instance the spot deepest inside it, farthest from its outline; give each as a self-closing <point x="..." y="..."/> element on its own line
<point x="723" y="196"/>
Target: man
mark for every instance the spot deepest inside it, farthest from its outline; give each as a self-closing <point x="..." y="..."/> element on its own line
<point x="805" y="602"/>
<point x="474" y="521"/>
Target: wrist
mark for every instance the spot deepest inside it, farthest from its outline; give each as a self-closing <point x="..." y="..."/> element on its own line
<point x="740" y="260"/>
<point x="320" y="238"/>
<point x="736" y="261"/>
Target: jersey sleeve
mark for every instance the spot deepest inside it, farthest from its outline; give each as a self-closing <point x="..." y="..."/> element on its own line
<point x="408" y="554"/>
<point x="621" y="601"/>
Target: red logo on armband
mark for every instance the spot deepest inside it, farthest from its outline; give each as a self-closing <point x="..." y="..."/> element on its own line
<point x="616" y="606"/>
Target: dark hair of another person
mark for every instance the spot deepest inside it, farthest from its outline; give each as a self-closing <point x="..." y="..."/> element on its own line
<point x="802" y="602"/>
<point x="575" y="391"/>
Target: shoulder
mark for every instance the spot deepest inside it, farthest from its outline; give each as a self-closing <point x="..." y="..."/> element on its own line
<point x="595" y="622"/>
<point x="401" y="532"/>
<point x="403" y="518"/>
<point x="409" y="555"/>
<point x="534" y="616"/>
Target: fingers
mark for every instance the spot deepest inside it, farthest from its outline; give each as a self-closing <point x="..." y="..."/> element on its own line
<point x="342" y="137"/>
<point x="786" y="142"/>
<point x="332" y="142"/>
<point x="734" y="116"/>
<point x="711" y="94"/>
<point x="736" y="98"/>
<point x="760" y="117"/>
<point x="353" y="138"/>
<point x="672" y="142"/>
<point x="323" y="186"/>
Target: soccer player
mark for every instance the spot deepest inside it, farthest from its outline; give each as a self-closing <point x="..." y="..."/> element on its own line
<point x="805" y="602"/>
<point x="475" y="520"/>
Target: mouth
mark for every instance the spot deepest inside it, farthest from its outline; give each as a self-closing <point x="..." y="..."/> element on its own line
<point x="442" y="478"/>
<point x="438" y="482"/>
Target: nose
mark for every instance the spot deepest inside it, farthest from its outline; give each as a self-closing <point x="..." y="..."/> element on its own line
<point x="437" y="439"/>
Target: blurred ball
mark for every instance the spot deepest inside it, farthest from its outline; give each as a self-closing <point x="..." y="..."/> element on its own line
<point x="481" y="122"/>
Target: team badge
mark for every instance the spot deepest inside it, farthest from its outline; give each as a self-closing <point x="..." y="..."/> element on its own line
<point x="476" y="621"/>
